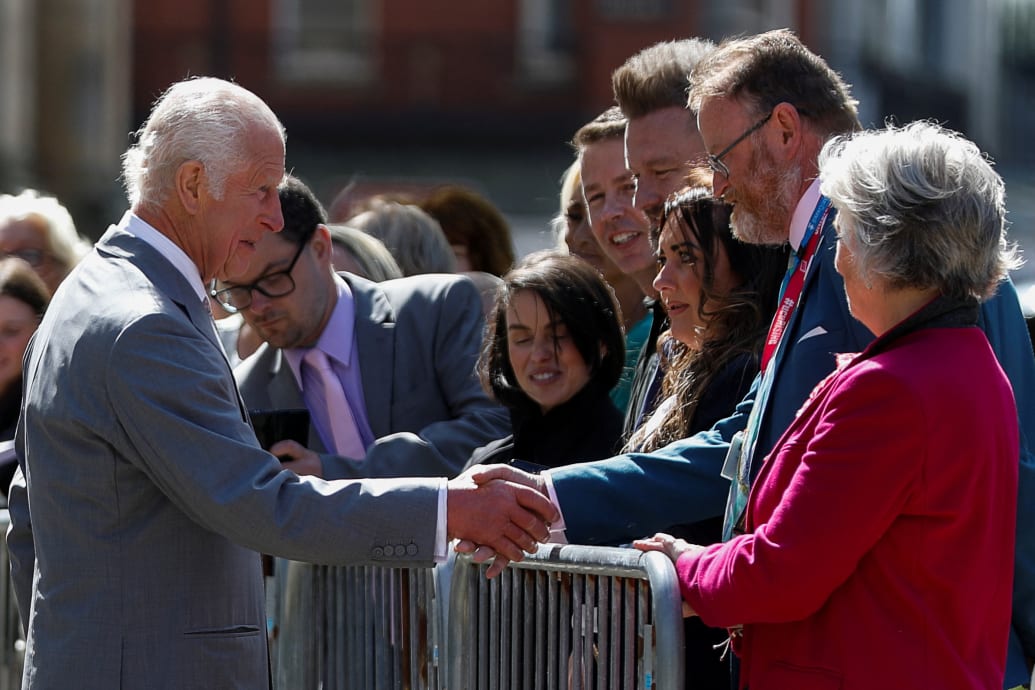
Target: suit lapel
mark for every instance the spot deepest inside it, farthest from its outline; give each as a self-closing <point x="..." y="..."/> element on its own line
<point x="375" y="340"/>
<point x="171" y="283"/>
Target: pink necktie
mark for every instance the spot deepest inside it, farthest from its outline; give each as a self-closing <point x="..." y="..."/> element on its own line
<point x="343" y="429"/>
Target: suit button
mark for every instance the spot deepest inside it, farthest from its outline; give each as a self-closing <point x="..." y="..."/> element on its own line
<point x="411" y="550"/>
<point x="400" y="550"/>
<point x="378" y="552"/>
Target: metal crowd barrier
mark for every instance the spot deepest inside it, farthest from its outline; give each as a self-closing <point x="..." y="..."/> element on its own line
<point x="339" y="628"/>
<point x="568" y="617"/>
<point x="571" y="617"/>
<point x="12" y="642"/>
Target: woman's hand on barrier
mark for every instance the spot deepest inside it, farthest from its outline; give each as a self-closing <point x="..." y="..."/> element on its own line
<point x="672" y="547"/>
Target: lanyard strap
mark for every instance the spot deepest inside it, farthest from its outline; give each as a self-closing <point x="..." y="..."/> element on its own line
<point x="794" y="280"/>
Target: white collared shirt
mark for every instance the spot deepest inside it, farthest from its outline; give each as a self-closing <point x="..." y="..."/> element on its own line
<point x="136" y="226"/>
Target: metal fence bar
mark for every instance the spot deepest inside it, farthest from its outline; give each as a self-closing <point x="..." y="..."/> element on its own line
<point x="12" y="641"/>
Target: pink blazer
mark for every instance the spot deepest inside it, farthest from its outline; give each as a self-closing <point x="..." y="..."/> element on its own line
<point x="879" y="544"/>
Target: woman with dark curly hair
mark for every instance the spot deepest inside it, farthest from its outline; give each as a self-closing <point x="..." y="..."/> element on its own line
<point x="553" y="352"/>
<point x="720" y="295"/>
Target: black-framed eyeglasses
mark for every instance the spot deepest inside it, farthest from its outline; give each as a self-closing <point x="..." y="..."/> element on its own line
<point x="34" y="257"/>
<point x="237" y="298"/>
<point x="715" y="160"/>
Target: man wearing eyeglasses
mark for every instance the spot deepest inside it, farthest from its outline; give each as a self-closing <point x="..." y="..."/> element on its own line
<point x="403" y="352"/>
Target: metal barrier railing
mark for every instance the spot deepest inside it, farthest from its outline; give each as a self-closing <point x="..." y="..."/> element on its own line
<point x="12" y="642"/>
<point x="571" y="617"/>
<point x="567" y="617"/>
<point x="339" y="628"/>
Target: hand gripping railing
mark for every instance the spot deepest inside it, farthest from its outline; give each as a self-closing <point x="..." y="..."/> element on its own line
<point x="575" y="617"/>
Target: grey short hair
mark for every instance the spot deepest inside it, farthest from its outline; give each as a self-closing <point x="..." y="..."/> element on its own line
<point x="203" y="119"/>
<point x="414" y="238"/>
<point x="372" y="256"/>
<point x="923" y="206"/>
<point x="45" y="211"/>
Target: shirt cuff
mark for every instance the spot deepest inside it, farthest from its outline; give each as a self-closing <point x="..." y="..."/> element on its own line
<point x="557" y="529"/>
<point x="441" y="543"/>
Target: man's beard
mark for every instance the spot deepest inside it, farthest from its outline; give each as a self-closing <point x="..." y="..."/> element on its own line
<point x="763" y="215"/>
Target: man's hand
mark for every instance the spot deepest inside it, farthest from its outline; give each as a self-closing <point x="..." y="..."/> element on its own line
<point x="507" y="518"/>
<point x="481" y="474"/>
<point x="297" y="458"/>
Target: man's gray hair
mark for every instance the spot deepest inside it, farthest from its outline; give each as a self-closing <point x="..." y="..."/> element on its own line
<point x="923" y="208"/>
<point x="203" y="119"/>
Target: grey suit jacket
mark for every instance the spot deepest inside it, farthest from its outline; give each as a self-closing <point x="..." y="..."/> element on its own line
<point x="418" y="340"/>
<point x="137" y="565"/>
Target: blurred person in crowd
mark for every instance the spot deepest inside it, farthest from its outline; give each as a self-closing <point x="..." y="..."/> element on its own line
<point x="361" y="254"/>
<point x="402" y="354"/>
<point x="23" y="299"/>
<point x="474" y="227"/>
<point x="413" y="237"/>
<point x="553" y="351"/>
<point x="36" y="228"/>
<point x="142" y="498"/>
<point x="856" y="524"/>
<point x="576" y="236"/>
<point x="765" y="106"/>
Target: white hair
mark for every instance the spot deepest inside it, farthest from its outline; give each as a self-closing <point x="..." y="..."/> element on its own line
<point x="924" y="206"/>
<point x="203" y="119"/>
<point x="63" y="241"/>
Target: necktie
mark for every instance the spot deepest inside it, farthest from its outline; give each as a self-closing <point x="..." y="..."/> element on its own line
<point x="344" y="438"/>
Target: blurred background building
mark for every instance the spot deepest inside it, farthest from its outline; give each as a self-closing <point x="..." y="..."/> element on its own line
<point x="384" y="92"/>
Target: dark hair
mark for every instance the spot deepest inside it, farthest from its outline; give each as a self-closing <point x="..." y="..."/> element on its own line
<point x="19" y="281"/>
<point x="302" y="211"/>
<point x="469" y="219"/>
<point x="575" y="294"/>
<point x="737" y="321"/>
<point x="775" y="67"/>
<point x="606" y="126"/>
<point x="657" y="77"/>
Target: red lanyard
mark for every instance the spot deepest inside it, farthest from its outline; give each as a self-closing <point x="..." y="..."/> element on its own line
<point x="794" y="281"/>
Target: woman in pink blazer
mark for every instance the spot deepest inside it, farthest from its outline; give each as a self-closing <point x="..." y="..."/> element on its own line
<point x="877" y="545"/>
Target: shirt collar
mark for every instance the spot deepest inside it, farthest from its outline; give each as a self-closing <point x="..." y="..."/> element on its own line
<point x="337" y="338"/>
<point x="802" y="214"/>
<point x="134" y="225"/>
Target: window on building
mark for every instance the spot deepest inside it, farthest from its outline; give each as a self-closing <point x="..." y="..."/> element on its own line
<point x="323" y="40"/>
<point x="546" y="41"/>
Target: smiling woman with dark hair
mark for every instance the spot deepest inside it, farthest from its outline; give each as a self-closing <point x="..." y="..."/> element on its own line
<point x="553" y="352"/>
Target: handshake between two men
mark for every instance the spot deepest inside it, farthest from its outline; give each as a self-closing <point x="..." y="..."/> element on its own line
<point x="516" y="517"/>
<point x="494" y="511"/>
